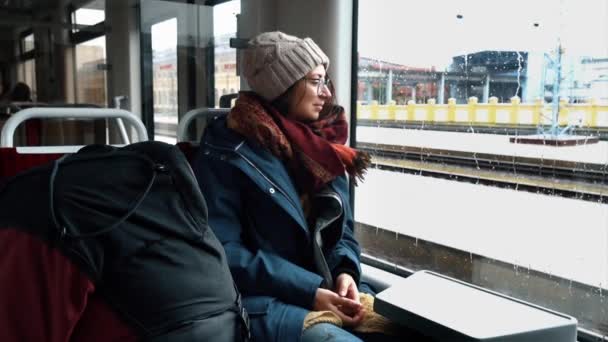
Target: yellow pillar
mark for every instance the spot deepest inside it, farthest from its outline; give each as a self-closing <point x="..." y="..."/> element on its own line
<point x="374" y="110"/>
<point x="359" y="110"/>
<point x="411" y="110"/>
<point x="430" y="113"/>
<point x="451" y="109"/>
<point x="472" y="109"/>
<point x="563" y="112"/>
<point x="513" y="115"/>
<point x="392" y="110"/>
<point x="537" y="111"/>
<point x="592" y="113"/>
<point x="492" y="105"/>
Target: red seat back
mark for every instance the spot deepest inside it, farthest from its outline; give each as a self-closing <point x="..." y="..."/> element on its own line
<point x="46" y="296"/>
<point x="12" y="162"/>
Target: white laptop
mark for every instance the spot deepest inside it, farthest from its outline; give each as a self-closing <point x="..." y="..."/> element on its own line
<point x="448" y="309"/>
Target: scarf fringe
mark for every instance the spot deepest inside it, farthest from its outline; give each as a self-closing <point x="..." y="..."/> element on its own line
<point x="355" y="162"/>
<point x="361" y="163"/>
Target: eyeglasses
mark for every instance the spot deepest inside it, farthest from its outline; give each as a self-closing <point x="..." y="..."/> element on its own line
<point x="320" y="83"/>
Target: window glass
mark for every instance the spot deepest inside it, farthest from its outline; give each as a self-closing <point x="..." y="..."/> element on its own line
<point x="27" y="44"/>
<point x="88" y="15"/>
<point x="26" y="73"/>
<point x="486" y="123"/>
<point x="187" y="62"/>
<point x="164" y="60"/>
<point x="224" y="28"/>
<point x="91" y="74"/>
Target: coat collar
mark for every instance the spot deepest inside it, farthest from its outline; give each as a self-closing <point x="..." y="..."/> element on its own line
<point x="218" y="135"/>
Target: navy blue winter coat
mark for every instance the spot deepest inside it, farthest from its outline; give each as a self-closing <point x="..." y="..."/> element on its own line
<point x="255" y="211"/>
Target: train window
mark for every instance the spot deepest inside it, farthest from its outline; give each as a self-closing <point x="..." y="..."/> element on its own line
<point x="27" y="43"/>
<point x="164" y="60"/>
<point x="186" y="58"/>
<point x="90" y="14"/>
<point x="26" y="67"/>
<point x="224" y="28"/>
<point x="487" y="126"/>
<point x="91" y="73"/>
<point x="26" y="73"/>
<point x="89" y="53"/>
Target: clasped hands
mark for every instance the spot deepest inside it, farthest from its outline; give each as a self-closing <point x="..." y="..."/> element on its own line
<point x="343" y="301"/>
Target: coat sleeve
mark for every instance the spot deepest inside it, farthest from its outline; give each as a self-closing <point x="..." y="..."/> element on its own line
<point x="345" y="257"/>
<point x="256" y="272"/>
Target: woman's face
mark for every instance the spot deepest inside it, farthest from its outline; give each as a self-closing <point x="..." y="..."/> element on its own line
<point x="309" y="96"/>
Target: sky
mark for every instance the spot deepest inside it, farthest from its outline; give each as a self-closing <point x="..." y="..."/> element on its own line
<point x="428" y="33"/>
<point x="87" y="16"/>
<point x="224" y="17"/>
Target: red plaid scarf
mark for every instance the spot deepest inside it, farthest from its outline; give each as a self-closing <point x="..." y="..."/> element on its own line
<point x="315" y="152"/>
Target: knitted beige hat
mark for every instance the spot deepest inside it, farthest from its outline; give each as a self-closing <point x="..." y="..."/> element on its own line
<point x="274" y="61"/>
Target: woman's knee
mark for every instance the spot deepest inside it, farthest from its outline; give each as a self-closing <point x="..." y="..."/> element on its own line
<point x="327" y="332"/>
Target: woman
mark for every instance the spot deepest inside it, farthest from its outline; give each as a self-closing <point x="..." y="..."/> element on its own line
<point x="273" y="173"/>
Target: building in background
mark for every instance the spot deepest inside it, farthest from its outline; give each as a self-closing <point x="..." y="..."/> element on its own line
<point x="165" y="75"/>
<point x="226" y="80"/>
<point x="485" y="74"/>
<point x="91" y="80"/>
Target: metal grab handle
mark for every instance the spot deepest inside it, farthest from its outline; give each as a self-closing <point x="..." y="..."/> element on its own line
<point x="121" y="125"/>
<point x="123" y="131"/>
<point x="6" y="136"/>
<point x="194" y="113"/>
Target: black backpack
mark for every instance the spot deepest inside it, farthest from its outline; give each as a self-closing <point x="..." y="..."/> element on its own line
<point x="134" y="220"/>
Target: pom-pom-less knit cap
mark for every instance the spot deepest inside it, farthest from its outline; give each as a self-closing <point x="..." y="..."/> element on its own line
<point x="274" y="61"/>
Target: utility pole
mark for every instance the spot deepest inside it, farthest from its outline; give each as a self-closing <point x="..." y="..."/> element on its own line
<point x="557" y="64"/>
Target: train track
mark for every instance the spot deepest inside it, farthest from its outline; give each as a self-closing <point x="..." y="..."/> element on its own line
<point x="552" y="177"/>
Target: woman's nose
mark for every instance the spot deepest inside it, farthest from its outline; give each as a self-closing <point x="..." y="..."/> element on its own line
<point x="324" y="91"/>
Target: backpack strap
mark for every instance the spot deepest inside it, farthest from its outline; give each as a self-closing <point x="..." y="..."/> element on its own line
<point x="62" y="229"/>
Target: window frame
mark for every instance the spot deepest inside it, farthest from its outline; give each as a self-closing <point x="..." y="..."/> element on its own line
<point x="26" y="56"/>
<point x="83" y="34"/>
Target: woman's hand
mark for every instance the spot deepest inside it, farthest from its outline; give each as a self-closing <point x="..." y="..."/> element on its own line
<point x="346" y="287"/>
<point x="350" y="312"/>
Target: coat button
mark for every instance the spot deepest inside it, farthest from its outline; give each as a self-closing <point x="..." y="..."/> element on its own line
<point x="271" y="190"/>
<point x="206" y="152"/>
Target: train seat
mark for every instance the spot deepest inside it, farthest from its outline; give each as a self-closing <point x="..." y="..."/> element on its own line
<point x="45" y="296"/>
